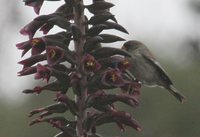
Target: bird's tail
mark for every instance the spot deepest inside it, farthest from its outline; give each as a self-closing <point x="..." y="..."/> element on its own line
<point x="176" y="93"/>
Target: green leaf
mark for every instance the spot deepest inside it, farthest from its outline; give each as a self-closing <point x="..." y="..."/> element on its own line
<point x="100" y="18"/>
<point x="105" y="52"/>
<point x="60" y="22"/>
<point x="48" y="110"/>
<point x="108" y="38"/>
<point x="112" y="25"/>
<point x="103" y="99"/>
<point x="92" y="43"/>
<point x="57" y="86"/>
<point x="95" y="30"/>
<point x="99" y="5"/>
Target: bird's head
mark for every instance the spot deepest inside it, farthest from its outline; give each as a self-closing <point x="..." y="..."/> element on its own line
<point x="131" y="45"/>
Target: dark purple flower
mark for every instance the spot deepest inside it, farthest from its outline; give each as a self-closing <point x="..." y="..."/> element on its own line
<point x="100" y="99"/>
<point x="32" y="60"/>
<point x="54" y="55"/>
<point x="90" y="64"/>
<point x="48" y="110"/>
<point x="37" y="120"/>
<point x="70" y="103"/>
<point x="67" y="127"/>
<point x="37" y="45"/>
<point x="132" y="88"/>
<point x="120" y="117"/>
<point x="46" y="28"/>
<point x="36" y="4"/>
<point x="31" y="28"/>
<point x="124" y="65"/>
<point x="116" y="62"/>
<point x="27" y="71"/>
<point x="35" y="24"/>
<point x="25" y="46"/>
<point x="45" y="23"/>
<point x="36" y="90"/>
<point x="114" y="78"/>
<point x="126" y="119"/>
<point x="43" y="72"/>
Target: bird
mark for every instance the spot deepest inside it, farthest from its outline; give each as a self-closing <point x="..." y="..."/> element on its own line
<point x="146" y="69"/>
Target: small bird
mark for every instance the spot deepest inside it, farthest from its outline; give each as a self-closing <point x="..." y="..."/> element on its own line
<point x="146" y="69"/>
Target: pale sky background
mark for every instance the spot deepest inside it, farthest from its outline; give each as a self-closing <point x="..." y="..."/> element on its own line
<point x="163" y="25"/>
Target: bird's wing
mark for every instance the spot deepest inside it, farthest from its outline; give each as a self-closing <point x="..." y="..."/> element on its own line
<point x="159" y="68"/>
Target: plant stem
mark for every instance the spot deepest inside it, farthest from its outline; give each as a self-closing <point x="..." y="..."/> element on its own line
<point x="80" y="99"/>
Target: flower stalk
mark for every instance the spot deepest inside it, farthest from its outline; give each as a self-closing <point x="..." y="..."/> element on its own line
<point x="79" y="21"/>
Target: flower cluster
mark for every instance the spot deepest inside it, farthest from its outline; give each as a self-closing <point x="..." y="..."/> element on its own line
<point x="89" y="71"/>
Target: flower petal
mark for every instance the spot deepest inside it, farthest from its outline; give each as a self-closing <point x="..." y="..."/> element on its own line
<point x="54" y="55"/>
<point x="36" y="4"/>
<point x="32" y="60"/>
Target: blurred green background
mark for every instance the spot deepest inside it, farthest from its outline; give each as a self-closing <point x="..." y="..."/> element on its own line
<point x="159" y="113"/>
